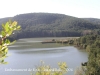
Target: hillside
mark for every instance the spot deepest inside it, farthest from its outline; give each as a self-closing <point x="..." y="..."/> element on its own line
<point x="51" y="25"/>
<point x="94" y="20"/>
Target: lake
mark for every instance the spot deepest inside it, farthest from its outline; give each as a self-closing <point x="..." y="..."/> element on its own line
<point x="26" y="54"/>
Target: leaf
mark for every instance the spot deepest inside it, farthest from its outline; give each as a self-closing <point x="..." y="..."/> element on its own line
<point x="12" y="42"/>
<point x="10" y="32"/>
<point x="2" y="61"/>
<point x="7" y="27"/>
<point x="5" y="62"/>
<point x="4" y="47"/>
<point x="3" y="33"/>
<point x="3" y="26"/>
<point x="7" y="41"/>
<point x="2" y="58"/>
<point x="18" y="27"/>
<point x="6" y="50"/>
<point x="10" y="21"/>
<point x="14" y="23"/>
<point x="0" y="47"/>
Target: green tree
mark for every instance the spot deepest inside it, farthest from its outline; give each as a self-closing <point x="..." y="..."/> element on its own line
<point x="93" y="64"/>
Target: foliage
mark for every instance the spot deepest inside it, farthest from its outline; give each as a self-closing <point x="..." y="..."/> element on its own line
<point x="93" y="64"/>
<point x="80" y="70"/>
<point x="94" y="20"/>
<point x="7" y="30"/>
<point x="92" y="43"/>
<point x="47" y="70"/>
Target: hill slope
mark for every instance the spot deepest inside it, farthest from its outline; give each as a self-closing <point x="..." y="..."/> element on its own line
<point x="51" y="25"/>
<point x="94" y="20"/>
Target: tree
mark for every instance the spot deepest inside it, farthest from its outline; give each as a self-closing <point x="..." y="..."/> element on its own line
<point x="93" y="64"/>
<point x="7" y="30"/>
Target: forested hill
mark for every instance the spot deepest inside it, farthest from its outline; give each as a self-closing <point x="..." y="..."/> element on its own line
<point x="95" y="20"/>
<point x="51" y="25"/>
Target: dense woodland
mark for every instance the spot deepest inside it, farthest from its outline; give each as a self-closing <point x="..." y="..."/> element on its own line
<point x="53" y="25"/>
<point x="90" y="43"/>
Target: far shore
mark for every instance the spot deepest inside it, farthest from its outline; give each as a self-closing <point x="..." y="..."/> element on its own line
<point x="51" y="38"/>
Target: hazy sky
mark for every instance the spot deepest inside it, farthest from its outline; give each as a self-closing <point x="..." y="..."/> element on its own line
<point x="76" y="8"/>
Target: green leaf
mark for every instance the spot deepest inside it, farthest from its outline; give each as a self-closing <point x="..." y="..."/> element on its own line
<point x="2" y="58"/>
<point x="3" y="48"/>
<point x="10" y="21"/>
<point x="0" y="47"/>
<point x="18" y="27"/>
<point x="2" y="61"/>
<point x="3" y="33"/>
<point x="5" y="62"/>
<point x="7" y="27"/>
<point x="3" y="26"/>
<point x="10" y="32"/>
<point x="14" y="23"/>
<point x="6" y="50"/>
<point x="7" y="41"/>
<point x="12" y="42"/>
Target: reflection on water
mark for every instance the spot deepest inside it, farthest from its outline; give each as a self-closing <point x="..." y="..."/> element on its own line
<point x="42" y="51"/>
<point x="30" y="45"/>
<point x="26" y="53"/>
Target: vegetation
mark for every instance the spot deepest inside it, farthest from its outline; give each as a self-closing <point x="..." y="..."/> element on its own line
<point x="52" y="25"/>
<point x="94" y="20"/>
<point x="81" y="70"/>
<point x="91" y="43"/>
<point x="7" y="29"/>
<point x="47" y="70"/>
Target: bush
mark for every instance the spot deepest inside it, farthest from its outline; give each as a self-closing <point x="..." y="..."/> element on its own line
<point x="7" y="30"/>
<point x="47" y="70"/>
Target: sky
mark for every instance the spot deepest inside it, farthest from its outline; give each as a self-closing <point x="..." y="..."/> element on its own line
<point x="76" y="8"/>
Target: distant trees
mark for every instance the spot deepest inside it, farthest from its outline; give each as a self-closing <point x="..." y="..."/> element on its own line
<point x="52" y="25"/>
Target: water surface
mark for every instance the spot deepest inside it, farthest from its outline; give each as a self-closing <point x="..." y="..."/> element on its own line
<point x="27" y="53"/>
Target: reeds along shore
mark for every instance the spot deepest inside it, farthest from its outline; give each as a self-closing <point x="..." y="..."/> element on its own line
<point x="58" y="41"/>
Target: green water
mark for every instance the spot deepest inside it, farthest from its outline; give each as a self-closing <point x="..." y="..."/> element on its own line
<point x="27" y="53"/>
